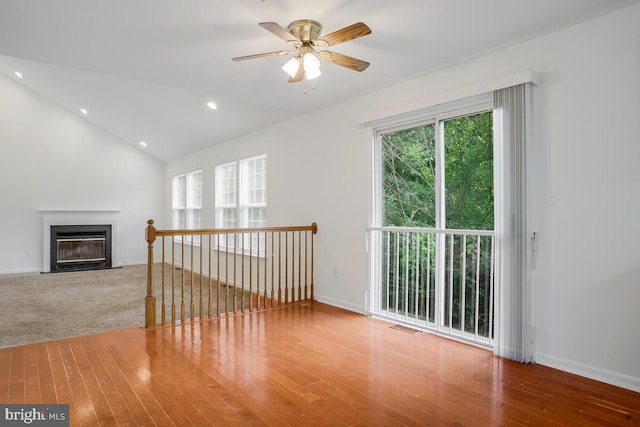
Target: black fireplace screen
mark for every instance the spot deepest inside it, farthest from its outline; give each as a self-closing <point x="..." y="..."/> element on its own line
<point x="80" y="247"/>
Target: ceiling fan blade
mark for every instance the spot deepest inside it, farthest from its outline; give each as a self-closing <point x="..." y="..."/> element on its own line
<point x="279" y="31"/>
<point x="351" y="32"/>
<point x="344" y="60"/>
<point x="299" y="75"/>
<point x="260" y="55"/>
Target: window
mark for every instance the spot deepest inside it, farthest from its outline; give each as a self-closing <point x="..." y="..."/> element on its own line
<point x="227" y="196"/>
<point x="186" y="196"/>
<point x="439" y="173"/>
<point x="241" y="195"/>
<point x="179" y="202"/>
<point x="468" y="172"/>
<point x="409" y="176"/>
<point x="253" y="192"/>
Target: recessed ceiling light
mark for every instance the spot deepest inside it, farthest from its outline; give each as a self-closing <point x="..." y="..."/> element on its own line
<point x="19" y="74"/>
<point x="212" y="105"/>
<point x="83" y="111"/>
<point x="144" y="144"/>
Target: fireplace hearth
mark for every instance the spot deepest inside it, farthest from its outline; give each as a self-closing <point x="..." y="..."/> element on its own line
<point x="80" y="247"/>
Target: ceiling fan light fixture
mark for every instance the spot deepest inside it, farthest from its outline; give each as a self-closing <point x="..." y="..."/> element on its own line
<point x="312" y="74"/>
<point x="311" y="65"/>
<point x="291" y="67"/>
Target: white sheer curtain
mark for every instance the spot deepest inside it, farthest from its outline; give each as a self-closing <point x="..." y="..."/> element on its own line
<point x="514" y="326"/>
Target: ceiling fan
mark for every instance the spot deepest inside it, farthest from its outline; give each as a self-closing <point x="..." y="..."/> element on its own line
<point x="304" y="36"/>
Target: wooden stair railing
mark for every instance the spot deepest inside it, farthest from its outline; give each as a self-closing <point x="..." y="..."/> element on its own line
<point x="239" y="269"/>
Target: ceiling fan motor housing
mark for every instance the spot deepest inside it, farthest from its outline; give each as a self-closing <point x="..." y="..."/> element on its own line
<point x="305" y="29"/>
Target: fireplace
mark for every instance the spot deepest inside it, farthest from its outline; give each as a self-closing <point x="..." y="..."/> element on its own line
<point x="80" y="247"/>
<point x="74" y="221"/>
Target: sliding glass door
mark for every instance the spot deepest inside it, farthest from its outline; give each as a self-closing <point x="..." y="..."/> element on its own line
<point x="432" y="245"/>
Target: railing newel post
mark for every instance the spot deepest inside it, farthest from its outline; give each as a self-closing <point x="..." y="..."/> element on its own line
<point x="150" y="300"/>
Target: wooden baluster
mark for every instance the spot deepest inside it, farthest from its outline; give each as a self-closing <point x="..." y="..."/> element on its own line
<point x="191" y="278"/>
<point x="163" y="281"/>
<point x="235" y="281"/>
<point x="200" y="315"/>
<point x="279" y="268"/>
<point x="272" y="270"/>
<point x="314" y="230"/>
<point x="264" y="300"/>
<point x="293" y="266"/>
<point x="182" y="280"/>
<point x="173" y="279"/>
<point x="209" y="246"/>
<point x="257" y="270"/>
<point x="242" y="267"/>
<point x="250" y="273"/>
<point x="265" y="285"/>
<point x="218" y="277"/>
<point x="306" y="259"/>
<point x="226" y="275"/>
<point x="299" y="265"/>
<point x="150" y="300"/>
<point x="286" y="268"/>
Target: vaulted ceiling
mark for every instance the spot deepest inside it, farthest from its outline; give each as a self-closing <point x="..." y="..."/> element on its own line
<point x="144" y="69"/>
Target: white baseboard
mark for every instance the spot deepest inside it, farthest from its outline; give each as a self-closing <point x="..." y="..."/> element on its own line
<point x="588" y="371"/>
<point x="21" y="271"/>
<point x="133" y="263"/>
<point x="339" y="303"/>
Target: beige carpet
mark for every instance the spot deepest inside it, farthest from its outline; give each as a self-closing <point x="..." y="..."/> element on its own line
<point x="43" y="307"/>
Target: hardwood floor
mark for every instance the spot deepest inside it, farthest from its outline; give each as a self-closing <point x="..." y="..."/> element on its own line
<point x="307" y="364"/>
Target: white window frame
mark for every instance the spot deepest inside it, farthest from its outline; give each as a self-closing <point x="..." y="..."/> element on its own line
<point x="237" y="196"/>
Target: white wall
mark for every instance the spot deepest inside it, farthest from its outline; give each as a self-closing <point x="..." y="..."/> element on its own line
<point x="586" y="152"/>
<point x="51" y="158"/>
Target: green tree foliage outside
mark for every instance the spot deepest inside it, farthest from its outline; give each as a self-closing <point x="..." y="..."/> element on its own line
<point x="409" y="189"/>
<point x="469" y="172"/>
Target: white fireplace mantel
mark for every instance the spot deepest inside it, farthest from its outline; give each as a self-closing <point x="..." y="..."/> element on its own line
<point x="77" y="217"/>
